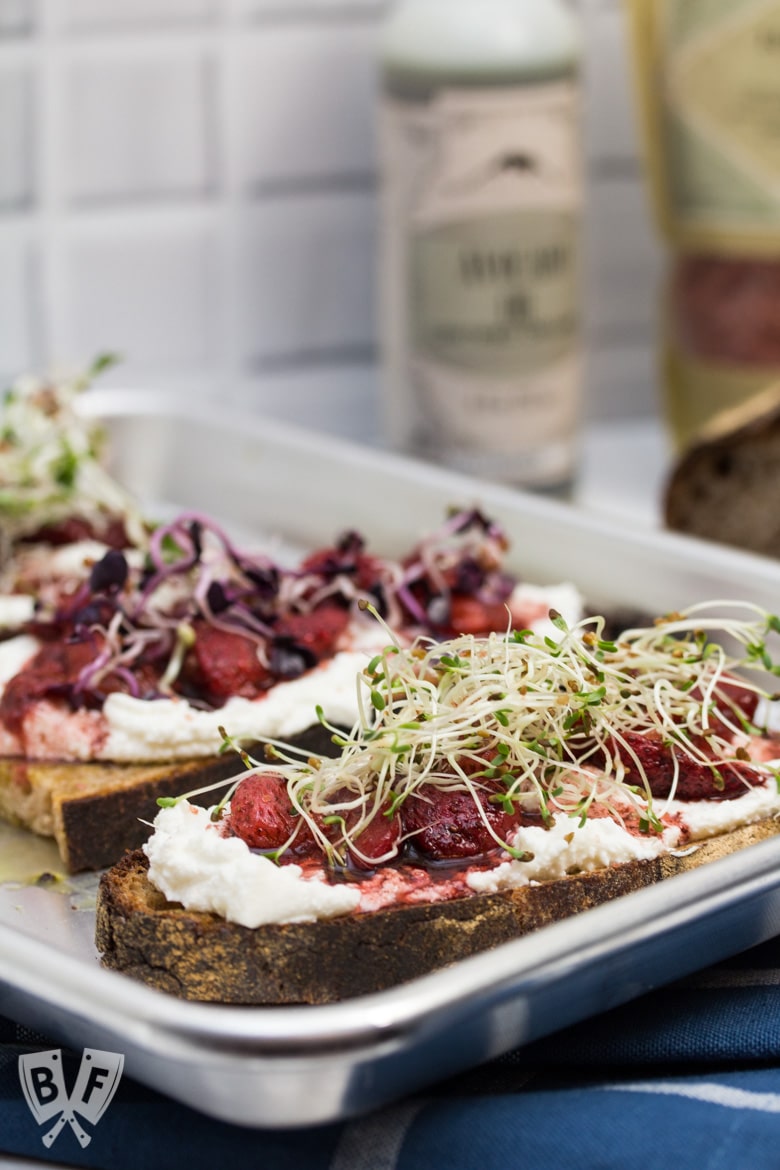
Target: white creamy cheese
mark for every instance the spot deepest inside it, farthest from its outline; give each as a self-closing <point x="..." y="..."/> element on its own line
<point x="563" y="848"/>
<point x="566" y="846"/>
<point x="45" y="562"/>
<point x="172" y="729"/>
<point x="14" y="654"/>
<point x="710" y="818"/>
<point x="138" y="730"/>
<point x="142" y="730"/>
<point x="191" y="863"/>
<point x="162" y="729"/>
<point x="565" y="598"/>
<point x="73" y="560"/>
<point x="15" y="609"/>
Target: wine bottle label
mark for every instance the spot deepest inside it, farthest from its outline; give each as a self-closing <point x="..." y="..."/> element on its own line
<point x="482" y="254"/>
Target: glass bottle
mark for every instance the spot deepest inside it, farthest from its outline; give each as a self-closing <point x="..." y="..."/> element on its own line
<point x="480" y="223"/>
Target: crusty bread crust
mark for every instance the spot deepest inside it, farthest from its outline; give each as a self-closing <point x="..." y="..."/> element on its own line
<point x="200" y="956"/>
<point x="724" y="486"/>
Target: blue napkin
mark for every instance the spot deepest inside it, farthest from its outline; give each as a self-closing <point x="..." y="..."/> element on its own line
<point x="687" y="1075"/>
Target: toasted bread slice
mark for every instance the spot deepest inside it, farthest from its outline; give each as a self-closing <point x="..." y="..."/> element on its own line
<point x="200" y="956"/>
<point x="97" y="811"/>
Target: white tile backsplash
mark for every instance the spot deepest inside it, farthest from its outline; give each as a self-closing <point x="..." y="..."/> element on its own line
<point x="193" y="183"/>
<point x="624" y="263"/>
<point x="337" y="399"/>
<point x="17" y="17"/>
<point x="610" y="118"/>
<point x="320" y="120"/>
<point x="17" y="297"/>
<point x="302" y="9"/>
<point x="626" y="375"/>
<point x="307" y="278"/>
<point x="144" y="291"/>
<point x="16" y="137"/>
<point x="137" y="128"/>
<point x="97" y="15"/>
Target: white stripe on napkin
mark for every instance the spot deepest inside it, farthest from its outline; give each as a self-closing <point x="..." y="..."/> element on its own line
<point x="712" y="1092"/>
<point x="381" y="1135"/>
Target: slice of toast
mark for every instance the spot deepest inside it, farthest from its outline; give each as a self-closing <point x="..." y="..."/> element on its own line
<point x="96" y="811"/>
<point x="200" y="956"/>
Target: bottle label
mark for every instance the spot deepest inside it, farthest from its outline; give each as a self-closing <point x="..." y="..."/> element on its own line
<point x="482" y="205"/>
<point x="696" y="391"/>
<point x="496" y="295"/>
<point x="715" y="74"/>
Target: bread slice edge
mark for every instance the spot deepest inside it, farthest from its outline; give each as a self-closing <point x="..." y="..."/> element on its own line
<point x="200" y="956"/>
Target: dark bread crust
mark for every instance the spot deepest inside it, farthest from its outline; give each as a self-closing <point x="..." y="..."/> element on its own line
<point x="724" y="486"/>
<point x="200" y="956"/>
<point x="96" y="811"/>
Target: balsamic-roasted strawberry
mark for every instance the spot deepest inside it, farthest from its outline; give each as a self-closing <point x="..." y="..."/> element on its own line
<point x="735" y="702"/>
<point x="379" y="839"/>
<point x="221" y="664"/>
<point x="447" y="824"/>
<point x="54" y="670"/>
<point x="317" y="631"/>
<point x="346" y="559"/>
<point x="261" y="815"/>
<point x="695" y="781"/>
<point x="470" y="615"/>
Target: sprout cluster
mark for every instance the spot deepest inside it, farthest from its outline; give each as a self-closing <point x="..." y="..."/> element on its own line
<point x="51" y="458"/>
<point x="540" y="722"/>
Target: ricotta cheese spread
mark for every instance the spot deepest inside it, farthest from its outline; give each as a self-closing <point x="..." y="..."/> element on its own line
<point x="568" y="848"/>
<point x="191" y="862"/>
<point x="172" y="729"/>
<point x="15" y="610"/>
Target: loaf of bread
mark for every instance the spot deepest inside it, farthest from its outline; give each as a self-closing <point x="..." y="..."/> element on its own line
<point x="726" y="486"/>
<point x="200" y="956"/>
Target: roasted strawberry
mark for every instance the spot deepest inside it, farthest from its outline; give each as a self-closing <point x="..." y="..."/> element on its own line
<point x="317" y="631"/>
<point x="262" y="815"/>
<point x="470" y="615"/>
<point x="346" y="559"/>
<point x="447" y="824"/>
<point x="695" y="780"/>
<point x="54" y="670"/>
<point x="221" y="664"/>
<point x="379" y="839"/>
<point x="109" y="530"/>
<point x="735" y="703"/>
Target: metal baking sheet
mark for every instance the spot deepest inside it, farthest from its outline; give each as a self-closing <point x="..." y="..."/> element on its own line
<point x="271" y="1067"/>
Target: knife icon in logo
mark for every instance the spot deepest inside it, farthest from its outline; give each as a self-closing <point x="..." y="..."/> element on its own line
<point x="43" y="1084"/>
